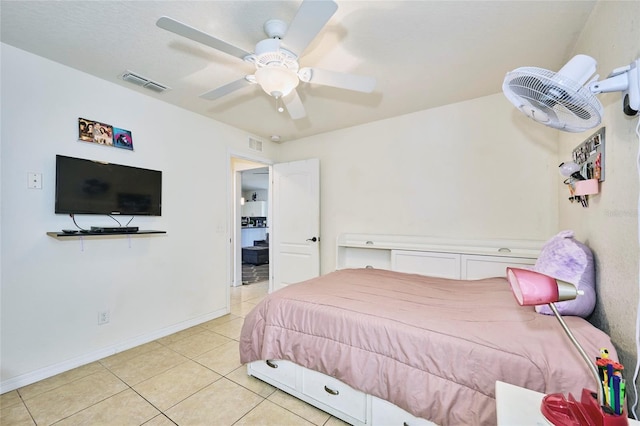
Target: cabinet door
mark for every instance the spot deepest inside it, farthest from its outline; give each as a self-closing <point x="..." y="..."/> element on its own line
<point x="261" y="209"/>
<point x="254" y="209"/>
<point x="476" y="267"/>
<point x="443" y="265"/>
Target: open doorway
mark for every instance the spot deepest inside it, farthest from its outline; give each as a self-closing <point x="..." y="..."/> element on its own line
<point x="254" y="224"/>
<point x="251" y="191"/>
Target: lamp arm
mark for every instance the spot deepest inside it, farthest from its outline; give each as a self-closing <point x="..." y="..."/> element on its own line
<point x="586" y="359"/>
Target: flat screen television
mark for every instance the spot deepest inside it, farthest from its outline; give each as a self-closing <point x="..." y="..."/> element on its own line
<point x="94" y="187"/>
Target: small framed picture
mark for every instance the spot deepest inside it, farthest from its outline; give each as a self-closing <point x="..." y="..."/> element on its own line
<point x="85" y="129"/>
<point x="103" y="134"/>
<point x="122" y="138"/>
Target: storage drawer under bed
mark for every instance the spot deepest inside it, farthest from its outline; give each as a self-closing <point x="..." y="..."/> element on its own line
<point x="335" y="394"/>
<point x="282" y="371"/>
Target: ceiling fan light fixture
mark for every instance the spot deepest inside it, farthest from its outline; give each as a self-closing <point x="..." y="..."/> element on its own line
<point x="277" y="81"/>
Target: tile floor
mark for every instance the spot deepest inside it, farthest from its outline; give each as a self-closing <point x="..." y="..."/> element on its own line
<point x="193" y="377"/>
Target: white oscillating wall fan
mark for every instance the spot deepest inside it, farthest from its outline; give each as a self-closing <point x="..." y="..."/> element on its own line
<point x="276" y="58"/>
<point x="566" y="99"/>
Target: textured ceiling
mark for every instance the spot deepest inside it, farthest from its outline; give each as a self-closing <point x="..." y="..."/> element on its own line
<point x="423" y="54"/>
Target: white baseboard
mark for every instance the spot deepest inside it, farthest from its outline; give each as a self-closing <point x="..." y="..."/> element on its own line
<point x="61" y="367"/>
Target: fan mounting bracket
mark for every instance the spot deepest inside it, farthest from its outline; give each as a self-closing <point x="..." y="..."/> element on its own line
<point x="626" y="80"/>
<point x="275" y="28"/>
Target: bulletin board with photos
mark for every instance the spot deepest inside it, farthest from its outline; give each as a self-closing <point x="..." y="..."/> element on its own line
<point x="589" y="155"/>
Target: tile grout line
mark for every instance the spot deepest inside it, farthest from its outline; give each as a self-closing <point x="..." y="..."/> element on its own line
<point x="106" y="367"/>
<point x="26" y="408"/>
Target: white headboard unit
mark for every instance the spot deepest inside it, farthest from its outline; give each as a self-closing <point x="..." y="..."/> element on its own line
<point x="441" y="257"/>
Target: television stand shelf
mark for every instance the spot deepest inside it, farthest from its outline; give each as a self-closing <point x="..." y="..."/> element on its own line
<point x="102" y="234"/>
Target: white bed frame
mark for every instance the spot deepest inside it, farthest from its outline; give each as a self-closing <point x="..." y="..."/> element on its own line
<point x="446" y="258"/>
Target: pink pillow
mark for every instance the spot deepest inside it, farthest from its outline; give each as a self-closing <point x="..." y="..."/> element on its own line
<point x="564" y="258"/>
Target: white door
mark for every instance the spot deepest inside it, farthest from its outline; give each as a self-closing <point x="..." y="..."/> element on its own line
<point x="295" y="246"/>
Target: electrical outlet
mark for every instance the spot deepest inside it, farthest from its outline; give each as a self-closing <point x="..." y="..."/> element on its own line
<point x="34" y="180"/>
<point x="104" y="317"/>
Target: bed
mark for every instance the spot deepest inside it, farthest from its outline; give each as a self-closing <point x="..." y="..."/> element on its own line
<point x="427" y="346"/>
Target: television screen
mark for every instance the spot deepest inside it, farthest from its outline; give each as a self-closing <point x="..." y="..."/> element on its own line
<point x="93" y="187"/>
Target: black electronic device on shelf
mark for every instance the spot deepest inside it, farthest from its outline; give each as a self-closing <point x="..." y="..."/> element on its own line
<point x="114" y="230"/>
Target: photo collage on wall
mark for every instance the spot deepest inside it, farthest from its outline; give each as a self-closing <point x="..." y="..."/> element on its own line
<point x="104" y="134"/>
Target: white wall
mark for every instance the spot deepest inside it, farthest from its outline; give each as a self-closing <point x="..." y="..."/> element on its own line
<point x="261" y="194"/>
<point x="52" y="290"/>
<point x="610" y="224"/>
<point x="477" y="169"/>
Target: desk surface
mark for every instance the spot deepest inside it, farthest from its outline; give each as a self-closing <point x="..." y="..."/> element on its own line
<point x="520" y="406"/>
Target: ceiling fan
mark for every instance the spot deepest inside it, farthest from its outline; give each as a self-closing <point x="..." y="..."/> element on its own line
<point x="276" y="58"/>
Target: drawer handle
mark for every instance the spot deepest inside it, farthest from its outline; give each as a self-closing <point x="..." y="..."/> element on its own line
<point x="504" y="250"/>
<point x="368" y="267"/>
<point x="331" y="391"/>
<point x="369" y="243"/>
<point x="271" y="364"/>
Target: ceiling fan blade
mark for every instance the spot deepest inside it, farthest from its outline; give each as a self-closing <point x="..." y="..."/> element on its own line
<point x="294" y="105"/>
<point x="359" y="83"/>
<point x="310" y="18"/>
<point x="221" y="91"/>
<point x="194" y="34"/>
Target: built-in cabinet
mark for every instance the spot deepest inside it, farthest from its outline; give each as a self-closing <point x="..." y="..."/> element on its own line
<point x="439" y="257"/>
<point x="254" y="209"/>
<point x="455" y="265"/>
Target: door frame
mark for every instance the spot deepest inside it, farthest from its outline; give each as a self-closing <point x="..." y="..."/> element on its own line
<point x="234" y="219"/>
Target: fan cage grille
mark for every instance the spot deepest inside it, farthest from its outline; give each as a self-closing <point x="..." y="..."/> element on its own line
<point x="569" y="106"/>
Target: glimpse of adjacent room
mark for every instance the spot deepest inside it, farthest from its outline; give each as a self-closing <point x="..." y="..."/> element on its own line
<point x="255" y="225"/>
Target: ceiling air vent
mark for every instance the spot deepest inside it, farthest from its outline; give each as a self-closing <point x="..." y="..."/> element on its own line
<point x="139" y="80"/>
<point x="255" y="144"/>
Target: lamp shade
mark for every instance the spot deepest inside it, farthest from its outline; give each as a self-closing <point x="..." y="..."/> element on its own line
<point x="533" y="288"/>
<point x="277" y="81"/>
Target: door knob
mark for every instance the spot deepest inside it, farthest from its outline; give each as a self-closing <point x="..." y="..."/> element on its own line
<point x="314" y="239"/>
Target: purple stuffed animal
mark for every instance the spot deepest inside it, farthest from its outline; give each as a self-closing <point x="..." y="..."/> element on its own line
<point x="564" y="258"/>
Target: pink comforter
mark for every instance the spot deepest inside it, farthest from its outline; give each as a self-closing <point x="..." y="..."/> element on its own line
<point x="434" y="347"/>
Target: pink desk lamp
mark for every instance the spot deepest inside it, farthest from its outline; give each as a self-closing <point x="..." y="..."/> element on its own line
<point x="533" y="288"/>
